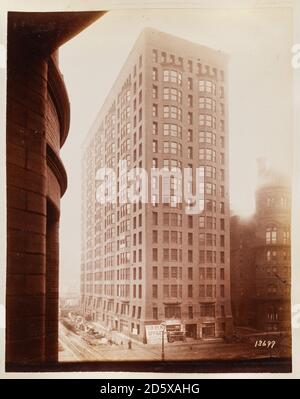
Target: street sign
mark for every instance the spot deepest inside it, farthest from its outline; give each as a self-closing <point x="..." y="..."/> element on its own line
<point x="154" y="333"/>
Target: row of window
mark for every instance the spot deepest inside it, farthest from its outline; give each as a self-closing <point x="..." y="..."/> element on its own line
<point x="124" y="290"/>
<point x="174" y="311"/>
<point x="173" y="130"/>
<point x="173" y="94"/>
<point x="170" y="147"/>
<point x="176" y="188"/>
<point x="169" y="219"/>
<point x="282" y="202"/>
<point x="175" y="291"/>
<point x="276" y="255"/>
<point x="123" y="309"/>
<point x="171" y="272"/>
<point x="174" y="166"/>
<point x="272" y="236"/>
<point x="169" y="93"/>
<point x="209" y="121"/>
<point x="172" y="236"/>
<point x="170" y="312"/>
<point x="166" y="272"/>
<point x="169" y="75"/>
<point x="175" y="148"/>
<point x="174" y="112"/>
<point x="174" y="76"/>
<point x="172" y="219"/>
<point x="175" y="255"/>
<point x="175" y="219"/>
<point x="205" y="310"/>
<point x="167" y="236"/>
<point x="210" y="256"/>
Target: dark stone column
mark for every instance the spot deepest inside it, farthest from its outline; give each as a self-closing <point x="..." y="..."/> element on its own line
<point x="52" y="286"/>
<point x="26" y="208"/>
<point x="37" y="112"/>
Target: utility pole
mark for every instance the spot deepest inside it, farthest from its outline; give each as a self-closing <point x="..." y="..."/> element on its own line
<point x="163" y="328"/>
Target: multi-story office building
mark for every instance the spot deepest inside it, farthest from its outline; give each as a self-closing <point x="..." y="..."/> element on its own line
<point x="261" y="258"/>
<point x="147" y="263"/>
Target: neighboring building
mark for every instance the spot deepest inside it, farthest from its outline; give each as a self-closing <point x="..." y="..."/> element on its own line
<point x="242" y="240"/>
<point x="71" y="302"/>
<point x="143" y="264"/>
<point x="273" y="254"/>
<point x="38" y="116"/>
<point x="70" y="298"/>
<point x="261" y="259"/>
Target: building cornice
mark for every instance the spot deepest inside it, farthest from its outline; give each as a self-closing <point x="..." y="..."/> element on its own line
<point x="45" y="32"/>
<point x="59" y="95"/>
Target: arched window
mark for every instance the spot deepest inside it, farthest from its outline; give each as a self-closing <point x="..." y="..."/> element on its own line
<point x="271" y="235"/>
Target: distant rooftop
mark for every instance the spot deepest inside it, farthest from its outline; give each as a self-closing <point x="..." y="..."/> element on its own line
<point x="270" y="177"/>
<point x="187" y="45"/>
<point x="164" y="42"/>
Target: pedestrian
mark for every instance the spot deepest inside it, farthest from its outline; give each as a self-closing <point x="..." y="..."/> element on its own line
<point x="129" y="344"/>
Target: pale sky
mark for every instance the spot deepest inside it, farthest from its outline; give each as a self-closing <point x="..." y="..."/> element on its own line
<point x="258" y="42"/>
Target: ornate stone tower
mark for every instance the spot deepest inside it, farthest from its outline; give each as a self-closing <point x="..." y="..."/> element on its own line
<point x="273" y="252"/>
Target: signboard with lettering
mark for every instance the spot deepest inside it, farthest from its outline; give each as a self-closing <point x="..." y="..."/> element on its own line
<point x="154" y="334"/>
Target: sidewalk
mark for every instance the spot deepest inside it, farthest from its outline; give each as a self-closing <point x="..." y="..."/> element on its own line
<point x="119" y="337"/>
<point x="116" y="336"/>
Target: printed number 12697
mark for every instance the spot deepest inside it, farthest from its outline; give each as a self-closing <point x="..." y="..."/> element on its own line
<point x="264" y="344"/>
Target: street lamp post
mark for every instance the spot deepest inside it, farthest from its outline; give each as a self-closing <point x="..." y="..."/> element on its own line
<point x="163" y="327"/>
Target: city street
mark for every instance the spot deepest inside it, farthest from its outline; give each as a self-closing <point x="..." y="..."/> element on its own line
<point x="75" y="347"/>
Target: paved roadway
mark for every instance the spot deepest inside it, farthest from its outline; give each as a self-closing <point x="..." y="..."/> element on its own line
<point x="74" y="347"/>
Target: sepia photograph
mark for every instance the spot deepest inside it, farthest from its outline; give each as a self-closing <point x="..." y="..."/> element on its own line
<point x="149" y="181"/>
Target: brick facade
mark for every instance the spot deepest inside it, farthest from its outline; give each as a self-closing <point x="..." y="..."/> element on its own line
<point x="143" y="264"/>
<point x="37" y="125"/>
<point x="261" y="259"/>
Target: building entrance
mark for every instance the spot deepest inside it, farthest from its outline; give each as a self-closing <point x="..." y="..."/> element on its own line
<point x="191" y="330"/>
<point x="208" y="330"/>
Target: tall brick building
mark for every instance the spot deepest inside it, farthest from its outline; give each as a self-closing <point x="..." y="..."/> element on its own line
<point x="38" y="115"/>
<point x="242" y="264"/>
<point x="147" y="263"/>
<point x="261" y="258"/>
